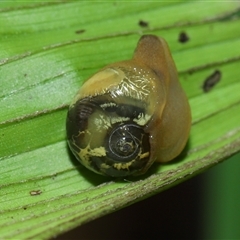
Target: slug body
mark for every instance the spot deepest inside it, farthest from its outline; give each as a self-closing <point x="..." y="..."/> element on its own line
<point x="130" y="113"/>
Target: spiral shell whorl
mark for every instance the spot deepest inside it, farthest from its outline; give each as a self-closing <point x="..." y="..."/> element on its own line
<point x="112" y="144"/>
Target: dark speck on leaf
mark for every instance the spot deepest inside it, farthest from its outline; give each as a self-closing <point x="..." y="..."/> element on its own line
<point x="80" y="31"/>
<point x="35" y="192"/>
<point x="142" y="23"/>
<point x="211" y="81"/>
<point x="183" y="37"/>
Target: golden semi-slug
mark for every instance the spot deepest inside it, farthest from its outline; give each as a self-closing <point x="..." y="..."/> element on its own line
<point x="130" y="113"/>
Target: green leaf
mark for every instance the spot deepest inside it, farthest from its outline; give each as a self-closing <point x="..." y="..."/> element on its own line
<point x="48" y="49"/>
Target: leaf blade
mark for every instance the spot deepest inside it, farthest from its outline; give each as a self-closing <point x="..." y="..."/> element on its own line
<point x="40" y="78"/>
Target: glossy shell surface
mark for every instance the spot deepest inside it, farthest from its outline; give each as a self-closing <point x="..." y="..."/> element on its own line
<point x="130" y="113"/>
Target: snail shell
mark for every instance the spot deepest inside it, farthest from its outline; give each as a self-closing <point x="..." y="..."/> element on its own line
<point x="130" y="113"/>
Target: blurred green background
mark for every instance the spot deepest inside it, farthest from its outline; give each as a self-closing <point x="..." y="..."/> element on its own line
<point x="221" y="199"/>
